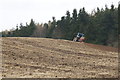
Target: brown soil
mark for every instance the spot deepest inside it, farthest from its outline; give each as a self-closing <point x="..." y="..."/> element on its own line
<point x="49" y="58"/>
<point x="101" y="47"/>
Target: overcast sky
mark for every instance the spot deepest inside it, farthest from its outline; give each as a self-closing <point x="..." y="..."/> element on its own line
<point x="14" y="12"/>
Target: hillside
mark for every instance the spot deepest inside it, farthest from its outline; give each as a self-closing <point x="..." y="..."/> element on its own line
<point x="46" y="58"/>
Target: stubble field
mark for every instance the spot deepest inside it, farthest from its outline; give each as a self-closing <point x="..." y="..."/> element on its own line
<point x="25" y="57"/>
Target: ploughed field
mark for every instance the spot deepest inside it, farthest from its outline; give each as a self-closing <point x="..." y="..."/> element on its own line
<point x="26" y="57"/>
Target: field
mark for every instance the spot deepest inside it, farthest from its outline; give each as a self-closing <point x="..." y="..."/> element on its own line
<point x="26" y="57"/>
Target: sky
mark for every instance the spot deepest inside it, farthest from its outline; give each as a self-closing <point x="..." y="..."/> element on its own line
<point x="13" y="12"/>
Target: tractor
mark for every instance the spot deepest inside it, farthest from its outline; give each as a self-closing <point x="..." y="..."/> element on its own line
<point x="79" y="37"/>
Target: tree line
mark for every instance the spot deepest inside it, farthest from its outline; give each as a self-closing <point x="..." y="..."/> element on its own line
<point x="99" y="27"/>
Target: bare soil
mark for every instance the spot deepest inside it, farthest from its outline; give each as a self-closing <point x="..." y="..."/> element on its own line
<point x="25" y="57"/>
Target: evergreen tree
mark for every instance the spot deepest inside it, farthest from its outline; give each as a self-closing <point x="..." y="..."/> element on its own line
<point x="51" y="29"/>
<point x="67" y="25"/>
<point x="119" y="18"/>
